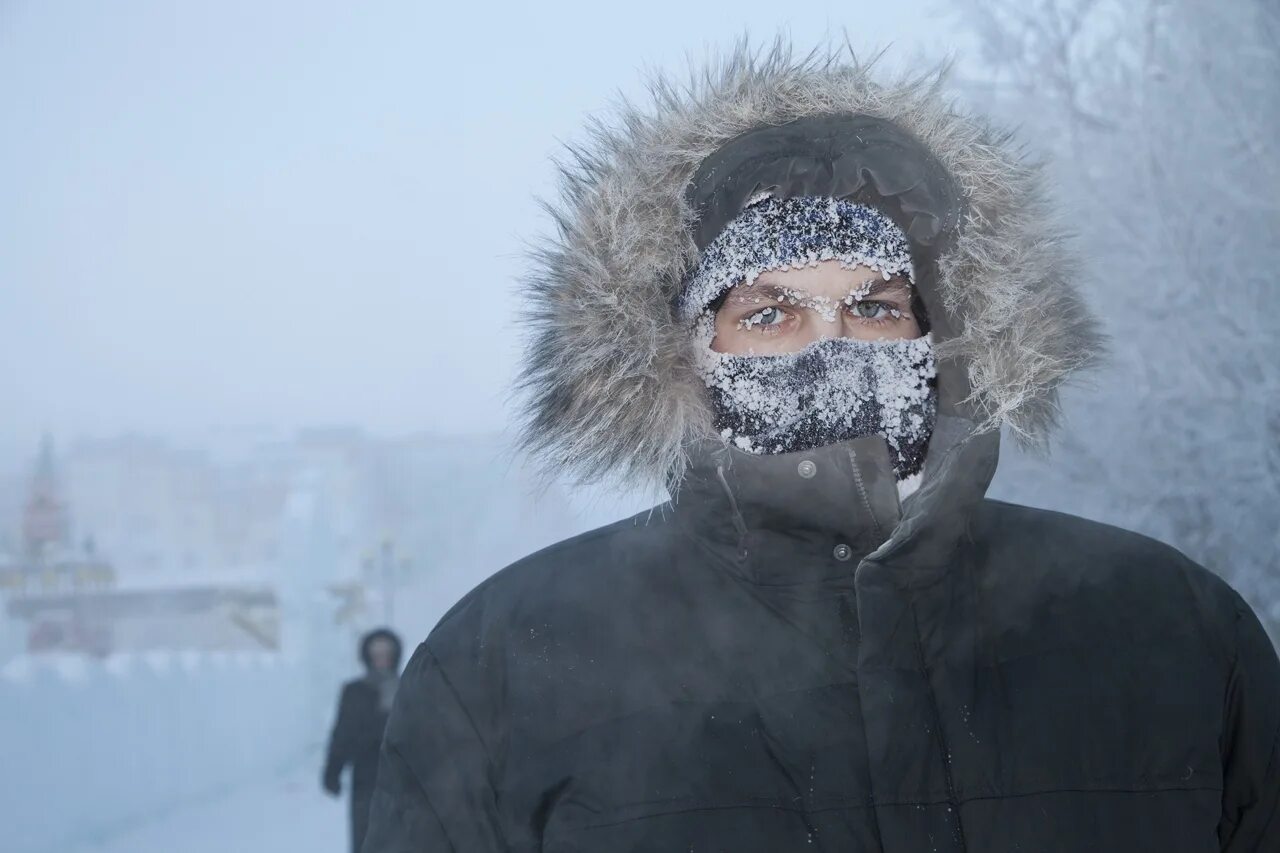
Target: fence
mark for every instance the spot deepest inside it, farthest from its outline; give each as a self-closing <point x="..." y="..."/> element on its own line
<point x="90" y="747"/>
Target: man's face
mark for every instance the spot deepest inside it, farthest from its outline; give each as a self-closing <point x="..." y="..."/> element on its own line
<point x="786" y="310"/>
<point x="381" y="654"/>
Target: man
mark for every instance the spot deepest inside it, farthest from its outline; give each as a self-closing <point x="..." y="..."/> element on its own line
<point x="357" y="732"/>
<point x="808" y="301"/>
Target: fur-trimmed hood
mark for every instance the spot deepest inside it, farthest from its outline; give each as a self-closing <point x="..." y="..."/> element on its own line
<point x="609" y="378"/>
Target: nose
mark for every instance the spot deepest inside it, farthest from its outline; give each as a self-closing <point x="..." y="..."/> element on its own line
<point x="820" y="327"/>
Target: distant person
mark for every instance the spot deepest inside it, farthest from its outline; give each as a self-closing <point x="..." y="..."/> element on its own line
<point x="362" y="717"/>
<point x="809" y="300"/>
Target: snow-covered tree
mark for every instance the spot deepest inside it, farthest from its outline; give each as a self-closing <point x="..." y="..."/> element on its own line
<point x="1163" y="122"/>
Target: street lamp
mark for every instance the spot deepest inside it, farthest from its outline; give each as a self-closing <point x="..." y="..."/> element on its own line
<point x="388" y="583"/>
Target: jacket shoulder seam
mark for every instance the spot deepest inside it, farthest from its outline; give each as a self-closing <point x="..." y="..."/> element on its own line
<point x="426" y="799"/>
<point x="457" y="698"/>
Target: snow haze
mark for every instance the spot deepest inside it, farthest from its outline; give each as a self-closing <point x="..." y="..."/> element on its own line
<point x="260" y="279"/>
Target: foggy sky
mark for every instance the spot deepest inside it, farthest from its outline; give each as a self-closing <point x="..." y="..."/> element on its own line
<point x="219" y="214"/>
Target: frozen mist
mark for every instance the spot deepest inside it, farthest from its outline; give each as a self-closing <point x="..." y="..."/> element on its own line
<point x="266" y="216"/>
<point x="1167" y="168"/>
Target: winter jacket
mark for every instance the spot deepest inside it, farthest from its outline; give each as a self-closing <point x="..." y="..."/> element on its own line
<point x="786" y="656"/>
<point x="356" y="738"/>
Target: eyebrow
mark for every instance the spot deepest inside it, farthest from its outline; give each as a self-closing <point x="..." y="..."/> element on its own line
<point x="771" y="290"/>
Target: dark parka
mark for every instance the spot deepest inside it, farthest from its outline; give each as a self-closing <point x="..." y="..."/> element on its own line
<point x="357" y="735"/>
<point x="786" y="657"/>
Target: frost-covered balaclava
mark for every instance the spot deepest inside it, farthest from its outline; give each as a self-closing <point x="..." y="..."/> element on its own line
<point x="836" y="388"/>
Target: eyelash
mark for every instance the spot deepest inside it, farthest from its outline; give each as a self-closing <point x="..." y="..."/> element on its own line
<point x="751" y="322"/>
<point x="888" y="307"/>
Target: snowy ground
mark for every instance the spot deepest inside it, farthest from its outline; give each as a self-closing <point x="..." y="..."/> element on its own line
<point x="283" y="814"/>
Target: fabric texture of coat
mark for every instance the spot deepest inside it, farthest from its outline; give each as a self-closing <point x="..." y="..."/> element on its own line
<point x="785" y="656"/>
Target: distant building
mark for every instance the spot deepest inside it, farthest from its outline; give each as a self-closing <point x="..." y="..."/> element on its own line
<point x="45" y="523"/>
<point x="204" y="537"/>
<point x="47" y="562"/>
<point x="49" y="566"/>
<point x="68" y="600"/>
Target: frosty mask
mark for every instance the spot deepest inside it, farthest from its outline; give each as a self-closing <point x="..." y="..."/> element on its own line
<point x="831" y="391"/>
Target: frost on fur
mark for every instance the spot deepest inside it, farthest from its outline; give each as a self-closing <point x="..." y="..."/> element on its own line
<point x="611" y="385"/>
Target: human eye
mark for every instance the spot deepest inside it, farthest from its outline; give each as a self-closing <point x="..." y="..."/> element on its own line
<point x="766" y="319"/>
<point x="875" y="311"/>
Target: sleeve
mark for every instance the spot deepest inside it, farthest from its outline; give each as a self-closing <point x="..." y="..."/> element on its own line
<point x="339" y="752"/>
<point x="1251" y="743"/>
<point x="435" y="791"/>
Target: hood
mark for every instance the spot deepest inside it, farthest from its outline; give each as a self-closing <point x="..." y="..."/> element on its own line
<point x="380" y="633"/>
<point x="611" y="388"/>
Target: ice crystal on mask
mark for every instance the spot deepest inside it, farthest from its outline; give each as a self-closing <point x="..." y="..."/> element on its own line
<point x="832" y="390"/>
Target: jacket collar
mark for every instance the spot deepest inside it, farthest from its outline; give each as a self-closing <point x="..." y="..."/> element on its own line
<point x="841" y="495"/>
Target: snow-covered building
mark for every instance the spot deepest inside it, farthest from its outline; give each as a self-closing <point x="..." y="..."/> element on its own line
<point x="46" y="558"/>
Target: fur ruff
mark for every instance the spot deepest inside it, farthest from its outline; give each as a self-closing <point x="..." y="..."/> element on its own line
<point x="611" y="387"/>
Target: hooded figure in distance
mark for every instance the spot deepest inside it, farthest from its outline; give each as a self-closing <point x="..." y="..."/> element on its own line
<point x="808" y="302"/>
<point x="362" y="718"/>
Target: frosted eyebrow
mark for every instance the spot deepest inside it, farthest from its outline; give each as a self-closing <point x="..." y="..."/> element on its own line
<point x="758" y="289"/>
<point x="877" y="286"/>
<point x="763" y="289"/>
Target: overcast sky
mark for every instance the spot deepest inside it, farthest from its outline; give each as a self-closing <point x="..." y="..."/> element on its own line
<point x="232" y="213"/>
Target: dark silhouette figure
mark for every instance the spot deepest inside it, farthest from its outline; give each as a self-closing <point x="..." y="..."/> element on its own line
<point x="362" y="717"/>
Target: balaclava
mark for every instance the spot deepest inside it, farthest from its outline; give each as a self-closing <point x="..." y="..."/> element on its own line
<point x="837" y="388"/>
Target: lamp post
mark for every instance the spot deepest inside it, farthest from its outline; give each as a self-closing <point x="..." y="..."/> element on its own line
<point x="388" y="584"/>
<point x="383" y="571"/>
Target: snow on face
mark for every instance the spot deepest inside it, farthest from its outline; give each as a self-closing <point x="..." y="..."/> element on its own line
<point x="825" y="307"/>
<point x="790" y="233"/>
<point x="833" y="390"/>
